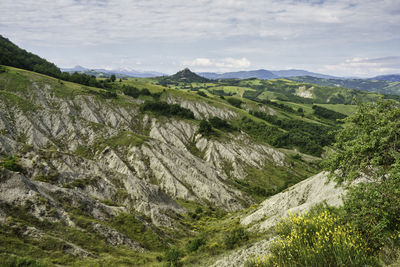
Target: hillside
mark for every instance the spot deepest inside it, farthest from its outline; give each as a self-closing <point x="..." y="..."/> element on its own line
<point x="278" y="89"/>
<point x="132" y="173"/>
<point x="119" y="73"/>
<point x="95" y="162"/>
<point x="390" y="77"/>
<point x="377" y="85"/>
<point x="12" y="55"/>
<point x="186" y="75"/>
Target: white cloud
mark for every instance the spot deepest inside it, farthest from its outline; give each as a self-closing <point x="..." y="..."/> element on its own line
<point x="95" y="21"/>
<point x="201" y="62"/>
<point x="366" y="67"/>
<point x="266" y="31"/>
<point x="234" y="63"/>
<point x="225" y="64"/>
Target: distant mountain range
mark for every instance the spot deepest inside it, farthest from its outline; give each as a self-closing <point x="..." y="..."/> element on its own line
<point x="120" y="73"/>
<point x="260" y="74"/>
<point x="390" y="78"/>
<point x="387" y="84"/>
<point x="264" y="74"/>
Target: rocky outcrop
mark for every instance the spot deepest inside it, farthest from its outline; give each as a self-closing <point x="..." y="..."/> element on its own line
<point x="239" y="257"/>
<point x="239" y="153"/>
<point x="296" y="199"/>
<point x="115" y="238"/>
<point x="202" y="109"/>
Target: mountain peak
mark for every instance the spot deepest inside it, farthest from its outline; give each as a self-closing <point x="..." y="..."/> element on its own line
<point x="187" y="75"/>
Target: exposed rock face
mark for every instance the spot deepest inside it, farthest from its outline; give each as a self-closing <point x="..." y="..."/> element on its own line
<point x="203" y="110"/>
<point x="239" y="257"/>
<point x="302" y="91"/>
<point x="86" y="149"/>
<point x="239" y="152"/>
<point x="115" y="238"/>
<point x="298" y="198"/>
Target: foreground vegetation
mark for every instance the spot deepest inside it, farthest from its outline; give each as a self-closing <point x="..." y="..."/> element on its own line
<point x="366" y="230"/>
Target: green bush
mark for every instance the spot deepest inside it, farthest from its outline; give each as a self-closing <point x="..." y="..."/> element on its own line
<point x="297" y="157"/>
<point x="220" y="123"/>
<point x="327" y="113"/>
<point x="201" y="93"/>
<point x="374" y="210"/>
<point x="51" y="178"/>
<point x="165" y="109"/>
<point x="194" y="244"/>
<point x="205" y="128"/>
<point x="11" y="164"/>
<point x="235" y="237"/>
<point x="368" y="144"/>
<point x="235" y="102"/>
<point x="173" y="257"/>
<point x="80" y="183"/>
<point x="2" y="69"/>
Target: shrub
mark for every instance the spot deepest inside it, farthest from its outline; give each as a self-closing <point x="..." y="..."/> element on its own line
<point x="2" y="69"/>
<point x="201" y="93"/>
<point x="327" y="113"/>
<point x="194" y="244"/>
<point x="369" y="143"/>
<point x="319" y="238"/>
<point x="219" y="123"/>
<point x="173" y="257"/>
<point x="145" y="91"/>
<point x="374" y="210"/>
<point x="235" y="237"/>
<point x="199" y="210"/>
<point x="205" y="128"/>
<point x="165" y="109"/>
<point x="235" y="102"/>
<point x="297" y="157"/>
<point x="51" y="178"/>
<point x="80" y="183"/>
<point x="11" y="164"/>
<point x="131" y="91"/>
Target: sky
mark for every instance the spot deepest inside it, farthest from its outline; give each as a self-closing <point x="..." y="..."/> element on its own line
<point x="339" y="37"/>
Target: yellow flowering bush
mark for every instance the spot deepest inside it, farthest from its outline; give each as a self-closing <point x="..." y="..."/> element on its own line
<point x="315" y="239"/>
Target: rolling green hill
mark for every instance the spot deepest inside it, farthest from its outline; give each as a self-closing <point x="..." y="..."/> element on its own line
<point x="12" y="55"/>
<point x="281" y="89"/>
<point x="114" y="175"/>
<point x="369" y="85"/>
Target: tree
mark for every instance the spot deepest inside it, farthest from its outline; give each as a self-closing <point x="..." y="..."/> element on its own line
<point x="205" y="128"/>
<point x="112" y="78"/>
<point x="368" y="144"/>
